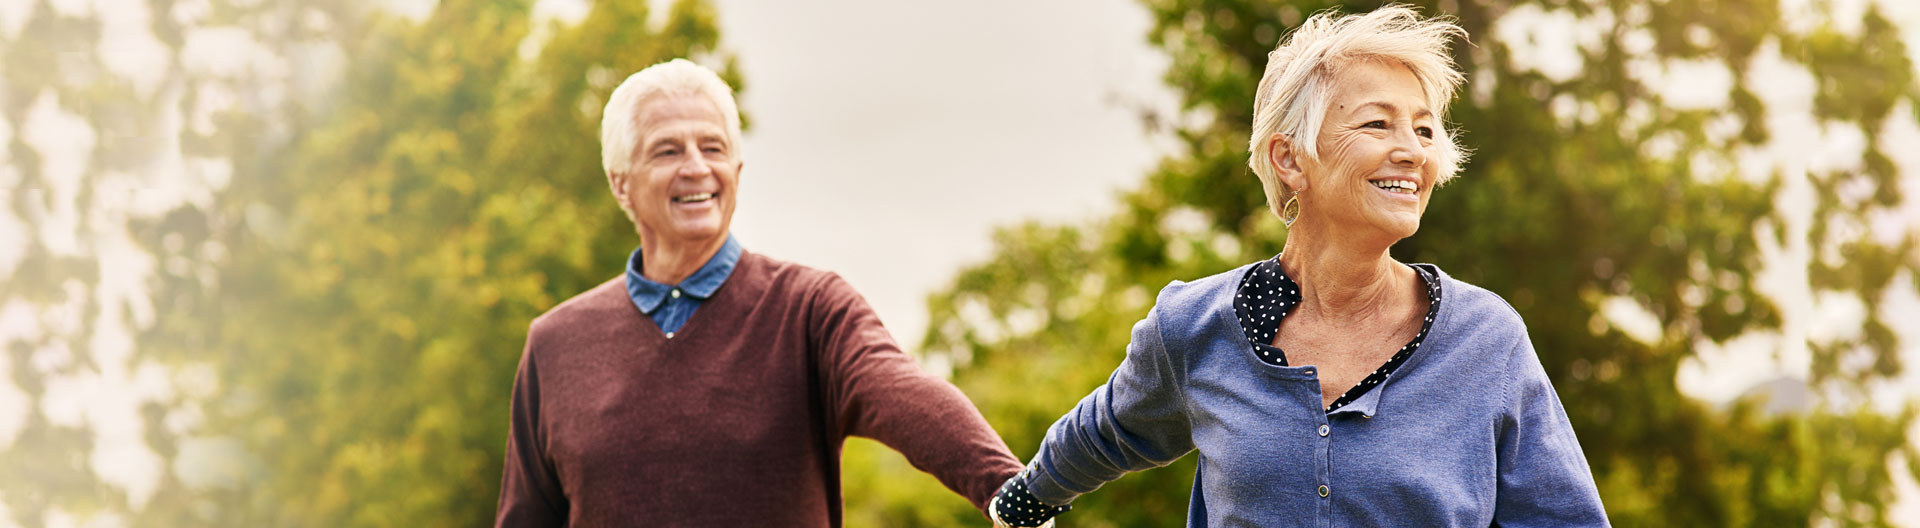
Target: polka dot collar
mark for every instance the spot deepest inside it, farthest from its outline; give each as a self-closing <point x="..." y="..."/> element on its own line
<point x="1266" y="296"/>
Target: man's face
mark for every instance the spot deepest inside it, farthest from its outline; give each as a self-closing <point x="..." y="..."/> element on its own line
<point x="682" y="183"/>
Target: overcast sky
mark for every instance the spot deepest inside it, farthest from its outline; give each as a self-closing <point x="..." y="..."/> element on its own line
<point x="889" y="138"/>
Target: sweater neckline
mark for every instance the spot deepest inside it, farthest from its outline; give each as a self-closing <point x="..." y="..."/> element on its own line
<point x="697" y="324"/>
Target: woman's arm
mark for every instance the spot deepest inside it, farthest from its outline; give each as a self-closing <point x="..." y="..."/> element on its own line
<point x="1544" y="478"/>
<point x="1136" y="421"/>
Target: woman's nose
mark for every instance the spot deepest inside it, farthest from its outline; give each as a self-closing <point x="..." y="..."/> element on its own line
<point x="1407" y="150"/>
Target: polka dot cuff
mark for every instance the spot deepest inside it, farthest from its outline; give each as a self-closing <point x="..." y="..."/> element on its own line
<point x="1015" y="505"/>
<point x="1266" y="296"/>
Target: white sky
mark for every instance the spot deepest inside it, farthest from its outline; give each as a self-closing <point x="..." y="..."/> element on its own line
<point x="889" y="137"/>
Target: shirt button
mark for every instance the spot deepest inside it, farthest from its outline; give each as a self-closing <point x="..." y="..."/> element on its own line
<point x="669" y="335"/>
<point x="675" y="294"/>
<point x="1324" y="430"/>
<point x="1323" y="490"/>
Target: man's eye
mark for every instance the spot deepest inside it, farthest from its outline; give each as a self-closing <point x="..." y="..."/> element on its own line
<point x="1425" y="132"/>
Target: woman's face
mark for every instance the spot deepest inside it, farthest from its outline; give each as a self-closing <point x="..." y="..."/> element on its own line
<point x="1377" y="154"/>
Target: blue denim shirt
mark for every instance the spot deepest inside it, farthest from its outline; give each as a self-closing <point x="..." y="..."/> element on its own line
<point x="1467" y="432"/>
<point x="671" y="306"/>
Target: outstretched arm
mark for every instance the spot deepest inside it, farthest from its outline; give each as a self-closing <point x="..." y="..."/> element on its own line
<point x="877" y="391"/>
<point x="1136" y="421"/>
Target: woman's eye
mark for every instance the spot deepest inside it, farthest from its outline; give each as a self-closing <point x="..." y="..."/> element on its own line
<point x="1375" y="124"/>
<point x="1425" y="132"/>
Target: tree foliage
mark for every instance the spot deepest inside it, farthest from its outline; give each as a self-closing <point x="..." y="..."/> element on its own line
<point x="384" y="265"/>
<point x="1584" y="191"/>
<point x="122" y="122"/>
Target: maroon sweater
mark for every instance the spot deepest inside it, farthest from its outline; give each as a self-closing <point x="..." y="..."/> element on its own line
<point x="738" y="420"/>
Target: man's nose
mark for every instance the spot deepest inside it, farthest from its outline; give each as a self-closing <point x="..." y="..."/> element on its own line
<point x="694" y="166"/>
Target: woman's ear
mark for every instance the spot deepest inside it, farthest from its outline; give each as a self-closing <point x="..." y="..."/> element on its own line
<point x="1285" y="161"/>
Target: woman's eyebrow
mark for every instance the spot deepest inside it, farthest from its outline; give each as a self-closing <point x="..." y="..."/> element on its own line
<point x="1392" y="109"/>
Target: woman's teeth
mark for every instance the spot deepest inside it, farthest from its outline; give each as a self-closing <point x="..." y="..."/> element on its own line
<point x="691" y="198"/>
<point x="1397" y="186"/>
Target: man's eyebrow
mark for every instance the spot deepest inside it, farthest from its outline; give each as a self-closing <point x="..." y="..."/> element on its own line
<point x="657" y="143"/>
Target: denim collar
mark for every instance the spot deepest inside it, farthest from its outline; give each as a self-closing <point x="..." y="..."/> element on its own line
<point x="649" y="295"/>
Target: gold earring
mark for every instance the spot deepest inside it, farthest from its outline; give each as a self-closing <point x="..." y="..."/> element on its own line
<point x="1293" y="204"/>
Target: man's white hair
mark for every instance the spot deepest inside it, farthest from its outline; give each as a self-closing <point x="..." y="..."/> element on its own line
<point x="1297" y="87"/>
<point x="620" y="123"/>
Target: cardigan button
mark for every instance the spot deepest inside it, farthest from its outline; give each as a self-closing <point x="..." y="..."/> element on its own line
<point x="1324" y="430"/>
<point x="1323" y="491"/>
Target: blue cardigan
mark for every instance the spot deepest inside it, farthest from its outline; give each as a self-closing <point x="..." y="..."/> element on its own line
<point x="1468" y="432"/>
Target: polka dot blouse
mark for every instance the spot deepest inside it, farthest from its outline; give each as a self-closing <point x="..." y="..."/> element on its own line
<point x="1266" y="296"/>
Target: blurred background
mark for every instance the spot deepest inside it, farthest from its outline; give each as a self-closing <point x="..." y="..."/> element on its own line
<point x="271" y="262"/>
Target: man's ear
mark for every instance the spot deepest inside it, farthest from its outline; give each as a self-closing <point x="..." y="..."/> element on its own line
<point x="1282" y="155"/>
<point x="618" y="183"/>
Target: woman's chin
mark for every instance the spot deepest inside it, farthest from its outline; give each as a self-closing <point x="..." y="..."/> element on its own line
<point x="1398" y="225"/>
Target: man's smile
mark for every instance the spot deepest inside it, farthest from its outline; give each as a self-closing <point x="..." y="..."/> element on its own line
<point x="695" y="198"/>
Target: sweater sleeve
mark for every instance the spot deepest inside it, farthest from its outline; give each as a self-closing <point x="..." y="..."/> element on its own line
<point x="1544" y="478"/>
<point x="1136" y="421"/>
<point x="877" y="391"/>
<point x="530" y="493"/>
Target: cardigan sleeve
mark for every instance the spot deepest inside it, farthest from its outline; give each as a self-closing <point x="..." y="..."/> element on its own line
<point x="1543" y="475"/>
<point x="877" y="391"/>
<point x="1136" y="421"/>
<point x="530" y="493"/>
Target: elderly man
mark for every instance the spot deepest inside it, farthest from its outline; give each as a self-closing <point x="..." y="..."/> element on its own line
<point x="709" y="385"/>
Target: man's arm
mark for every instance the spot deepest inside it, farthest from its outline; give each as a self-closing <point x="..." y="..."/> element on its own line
<point x="530" y="493"/>
<point x="877" y="391"/>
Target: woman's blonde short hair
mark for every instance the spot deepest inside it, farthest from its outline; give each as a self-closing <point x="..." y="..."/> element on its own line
<point x="1296" y="89"/>
<point x="620" y="122"/>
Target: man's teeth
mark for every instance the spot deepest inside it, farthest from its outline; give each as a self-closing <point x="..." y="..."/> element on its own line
<point x="693" y="198"/>
<point x="1398" y="186"/>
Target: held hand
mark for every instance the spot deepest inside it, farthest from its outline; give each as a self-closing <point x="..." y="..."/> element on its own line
<point x="994" y="510"/>
<point x="1015" y="506"/>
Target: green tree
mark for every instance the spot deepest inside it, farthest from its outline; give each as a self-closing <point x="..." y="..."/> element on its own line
<point x="117" y="124"/>
<point x="1610" y="192"/>
<point x="384" y="263"/>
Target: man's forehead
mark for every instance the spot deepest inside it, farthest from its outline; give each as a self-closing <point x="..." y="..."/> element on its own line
<point x="672" y="106"/>
<point x="677" y="115"/>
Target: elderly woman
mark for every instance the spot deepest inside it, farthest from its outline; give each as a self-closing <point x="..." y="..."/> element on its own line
<point x="1331" y="385"/>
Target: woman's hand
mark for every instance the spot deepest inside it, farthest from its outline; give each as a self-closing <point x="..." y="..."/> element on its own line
<point x="1015" y="506"/>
